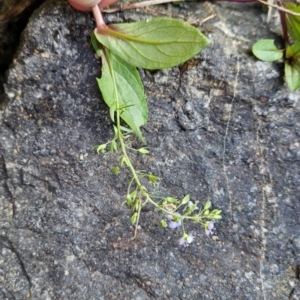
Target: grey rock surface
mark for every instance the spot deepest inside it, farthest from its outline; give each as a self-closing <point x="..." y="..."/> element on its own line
<point x="223" y="128"/>
<point x="14" y="16"/>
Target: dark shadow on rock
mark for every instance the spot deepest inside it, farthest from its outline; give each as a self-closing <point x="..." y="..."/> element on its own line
<point x="14" y="16"/>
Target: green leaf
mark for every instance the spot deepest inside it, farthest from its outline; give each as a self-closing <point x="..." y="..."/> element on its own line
<point x="125" y="129"/>
<point x="266" y="50"/>
<point x="101" y="148"/>
<point x="95" y="44"/>
<point x="185" y="200"/>
<point x="115" y="130"/>
<point x="115" y="170"/>
<point x="293" y="51"/>
<point x="292" y="22"/>
<point x="133" y="194"/>
<point x="191" y="209"/>
<point x="163" y="224"/>
<point x="120" y="86"/>
<point x="113" y="146"/>
<point x="152" y="178"/>
<point x="215" y="217"/>
<point x="136" y="205"/>
<point x="171" y="200"/>
<point x="292" y="74"/>
<point x="123" y="161"/>
<point x="129" y="200"/>
<point x="112" y="111"/>
<point x="207" y="205"/>
<point x="156" y="43"/>
<point x="133" y="218"/>
<point x="143" y="151"/>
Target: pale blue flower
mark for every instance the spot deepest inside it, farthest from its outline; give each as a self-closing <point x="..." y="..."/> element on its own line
<point x="185" y="240"/>
<point x="190" y="203"/>
<point x="210" y="228"/>
<point x="173" y="224"/>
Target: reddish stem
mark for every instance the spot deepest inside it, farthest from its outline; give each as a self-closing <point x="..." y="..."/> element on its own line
<point x="283" y="25"/>
<point x="98" y="17"/>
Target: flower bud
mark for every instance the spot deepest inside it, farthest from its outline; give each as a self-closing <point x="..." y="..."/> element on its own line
<point x="207" y="205"/>
<point x="133" y="218"/>
<point x="163" y="224"/>
<point x="84" y="5"/>
<point x="87" y="5"/>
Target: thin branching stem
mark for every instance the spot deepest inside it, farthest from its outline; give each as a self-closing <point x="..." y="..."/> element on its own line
<point x="140" y="187"/>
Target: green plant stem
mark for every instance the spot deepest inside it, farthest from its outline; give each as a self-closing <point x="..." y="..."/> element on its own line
<point x="182" y="226"/>
<point x="131" y="168"/>
<point x="140" y="187"/>
<point x="170" y="212"/>
<point x="142" y="192"/>
<point x="120" y="135"/>
<point x="123" y="149"/>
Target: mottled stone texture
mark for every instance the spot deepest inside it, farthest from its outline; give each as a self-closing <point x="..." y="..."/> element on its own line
<point x="224" y="128"/>
<point x="14" y="16"/>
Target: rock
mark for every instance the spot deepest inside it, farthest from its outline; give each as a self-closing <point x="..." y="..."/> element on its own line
<point x="223" y="128"/>
<point x="14" y="16"/>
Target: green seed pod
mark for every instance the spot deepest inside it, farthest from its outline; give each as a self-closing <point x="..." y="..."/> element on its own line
<point x="133" y="218"/>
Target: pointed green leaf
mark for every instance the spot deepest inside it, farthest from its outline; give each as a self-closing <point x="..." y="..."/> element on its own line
<point x="171" y="200"/>
<point x="266" y="50"/>
<point x="152" y="178"/>
<point x="101" y="148"/>
<point x="215" y="217"/>
<point x="115" y="129"/>
<point x="123" y="161"/>
<point x="129" y="200"/>
<point x="293" y="51"/>
<point x="113" y="146"/>
<point x="95" y="44"/>
<point x="133" y="194"/>
<point x="157" y="43"/>
<point x="292" y="22"/>
<point x="136" y="205"/>
<point x="292" y="74"/>
<point x="207" y="205"/>
<point x="185" y="200"/>
<point x="133" y="218"/>
<point x="112" y="111"/>
<point x="125" y="129"/>
<point x="143" y="151"/>
<point x="120" y="82"/>
<point x="216" y="212"/>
